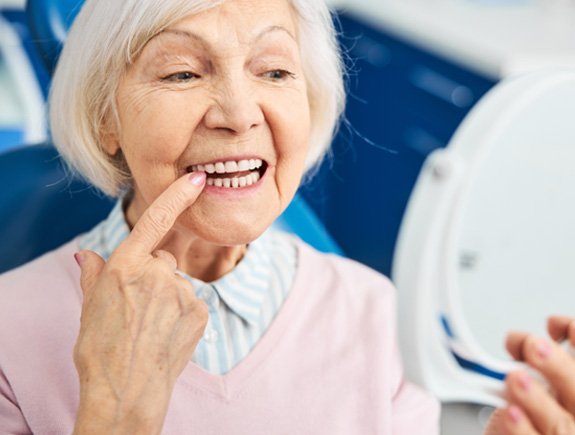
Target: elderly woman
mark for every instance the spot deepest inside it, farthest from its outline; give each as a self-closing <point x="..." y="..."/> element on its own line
<point x="187" y="313"/>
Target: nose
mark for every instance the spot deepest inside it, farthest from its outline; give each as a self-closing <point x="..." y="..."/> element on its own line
<point x="235" y="107"/>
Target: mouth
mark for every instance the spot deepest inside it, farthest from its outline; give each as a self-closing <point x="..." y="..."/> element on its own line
<point x="232" y="174"/>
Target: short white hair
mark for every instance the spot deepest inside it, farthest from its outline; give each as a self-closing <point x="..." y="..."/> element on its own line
<point x="108" y="35"/>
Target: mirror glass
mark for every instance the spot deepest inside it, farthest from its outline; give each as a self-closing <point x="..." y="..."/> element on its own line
<point x="515" y="241"/>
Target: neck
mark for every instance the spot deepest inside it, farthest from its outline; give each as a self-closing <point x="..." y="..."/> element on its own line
<point x="196" y="257"/>
<point x="200" y="259"/>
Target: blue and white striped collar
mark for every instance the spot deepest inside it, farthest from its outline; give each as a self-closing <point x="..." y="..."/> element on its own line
<point x="242" y="290"/>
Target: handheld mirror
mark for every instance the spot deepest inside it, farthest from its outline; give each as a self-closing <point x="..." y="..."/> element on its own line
<point x="487" y="244"/>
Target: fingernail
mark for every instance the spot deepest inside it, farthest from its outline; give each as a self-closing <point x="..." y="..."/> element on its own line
<point x="543" y="348"/>
<point x="525" y="381"/>
<point x="197" y="178"/>
<point x="79" y="258"/>
<point x="515" y="414"/>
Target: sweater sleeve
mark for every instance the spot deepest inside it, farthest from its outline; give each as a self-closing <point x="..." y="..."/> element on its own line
<point x="12" y="421"/>
<point x="415" y="411"/>
<point x="405" y="409"/>
<point x="39" y="317"/>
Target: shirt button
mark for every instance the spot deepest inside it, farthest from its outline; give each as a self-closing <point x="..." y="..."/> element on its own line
<point x="207" y="294"/>
<point x="211" y="336"/>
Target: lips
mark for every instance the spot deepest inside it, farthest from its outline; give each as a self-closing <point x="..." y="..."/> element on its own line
<point x="232" y="174"/>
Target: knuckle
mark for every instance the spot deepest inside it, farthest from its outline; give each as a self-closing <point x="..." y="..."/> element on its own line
<point x="120" y="276"/>
<point x="115" y="272"/>
<point x="528" y="349"/>
<point x="511" y="380"/>
<point x="165" y="260"/>
<point x="532" y="348"/>
<point x="162" y="269"/>
<point x="159" y="280"/>
<point x="160" y="217"/>
<point x="181" y="197"/>
<point x="198" y="311"/>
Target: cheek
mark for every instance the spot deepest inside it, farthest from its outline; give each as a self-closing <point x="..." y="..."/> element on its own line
<point x="291" y="137"/>
<point x="155" y="132"/>
<point x="152" y="164"/>
<point x="157" y="127"/>
<point x="292" y="134"/>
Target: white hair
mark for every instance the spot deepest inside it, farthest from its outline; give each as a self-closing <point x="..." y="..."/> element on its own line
<point x="108" y="35"/>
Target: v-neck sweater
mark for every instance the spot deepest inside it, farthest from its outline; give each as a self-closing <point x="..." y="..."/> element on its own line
<point x="327" y="364"/>
<point x="241" y="304"/>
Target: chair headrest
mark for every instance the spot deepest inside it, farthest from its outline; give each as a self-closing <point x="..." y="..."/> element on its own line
<point x="49" y="21"/>
<point x="44" y="206"/>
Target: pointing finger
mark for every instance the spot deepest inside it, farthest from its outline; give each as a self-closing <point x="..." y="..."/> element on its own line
<point x="161" y="215"/>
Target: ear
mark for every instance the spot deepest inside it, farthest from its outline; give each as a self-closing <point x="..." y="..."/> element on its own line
<point x="110" y="143"/>
<point x="109" y="137"/>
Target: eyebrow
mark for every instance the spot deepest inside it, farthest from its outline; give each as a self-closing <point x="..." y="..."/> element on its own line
<point x="196" y="37"/>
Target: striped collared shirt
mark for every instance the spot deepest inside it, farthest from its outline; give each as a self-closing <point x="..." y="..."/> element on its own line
<point x="242" y="304"/>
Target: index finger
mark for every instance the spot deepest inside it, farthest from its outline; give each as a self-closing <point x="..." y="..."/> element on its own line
<point x="161" y="215"/>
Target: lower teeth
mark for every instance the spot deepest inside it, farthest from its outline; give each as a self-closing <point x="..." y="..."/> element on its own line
<point x="235" y="182"/>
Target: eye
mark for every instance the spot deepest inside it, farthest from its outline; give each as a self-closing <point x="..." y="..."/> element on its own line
<point x="181" y="77"/>
<point x="278" y="74"/>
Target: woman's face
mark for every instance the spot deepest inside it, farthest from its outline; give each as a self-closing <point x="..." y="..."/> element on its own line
<point x="222" y="92"/>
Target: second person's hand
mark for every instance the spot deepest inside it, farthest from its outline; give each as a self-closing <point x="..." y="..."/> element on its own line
<point x="539" y="408"/>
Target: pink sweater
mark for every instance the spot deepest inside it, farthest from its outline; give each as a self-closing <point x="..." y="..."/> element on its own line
<point x="328" y="364"/>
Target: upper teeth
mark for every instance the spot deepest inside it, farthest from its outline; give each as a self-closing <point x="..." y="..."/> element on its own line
<point x="229" y="166"/>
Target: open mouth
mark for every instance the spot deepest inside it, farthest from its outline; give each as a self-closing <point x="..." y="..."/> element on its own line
<point x="232" y="174"/>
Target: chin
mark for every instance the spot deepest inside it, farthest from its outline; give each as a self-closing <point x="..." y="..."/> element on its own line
<point x="228" y="231"/>
<point x="232" y="237"/>
<point x="238" y="237"/>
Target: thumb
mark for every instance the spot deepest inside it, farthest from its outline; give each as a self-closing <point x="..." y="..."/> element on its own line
<point x="495" y="423"/>
<point x="91" y="265"/>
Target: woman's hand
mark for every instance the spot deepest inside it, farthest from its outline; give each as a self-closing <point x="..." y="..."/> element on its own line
<point x="534" y="408"/>
<point x="140" y="324"/>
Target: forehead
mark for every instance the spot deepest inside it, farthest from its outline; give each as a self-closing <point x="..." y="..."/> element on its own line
<point x="243" y="21"/>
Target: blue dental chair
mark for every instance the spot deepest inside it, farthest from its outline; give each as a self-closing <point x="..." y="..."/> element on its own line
<point x="42" y="206"/>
